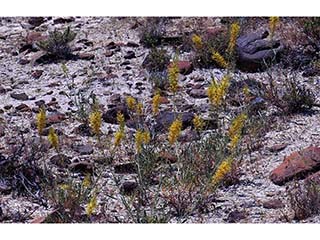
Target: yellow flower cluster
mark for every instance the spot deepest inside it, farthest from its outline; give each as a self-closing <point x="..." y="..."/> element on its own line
<point x="86" y="181"/>
<point x="197" y="41"/>
<point x="41" y="120"/>
<point x="174" y="131"/>
<point x="139" y="109"/>
<point x="234" y="33"/>
<point x="273" y="22"/>
<point x="219" y="59"/>
<point x="198" y="122"/>
<point x="246" y="91"/>
<point x="217" y="91"/>
<point x="53" y="138"/>
<point x="95" y="120"/>
<point x="131" y="102"/>
<point x="141" y="137"/>
<point x="173" y="74"/>
<point x="119" y="135"/>
<point x="92" y="205"/>
<point x="236" y="128"/>
<point x="156" y="103"/>
<point x="222" y="170"/>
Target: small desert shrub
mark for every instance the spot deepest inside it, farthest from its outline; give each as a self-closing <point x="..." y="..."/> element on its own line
<point x="57" y="43"/>
<point x="304" y="199"/>
<point x="289" y="96"/>
<point x="159" y="80"/>
<point x="157" y="60"/>
<point x="152" y="31"/>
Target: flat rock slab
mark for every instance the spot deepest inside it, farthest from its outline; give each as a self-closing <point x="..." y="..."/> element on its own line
<point x="297" y="165"/>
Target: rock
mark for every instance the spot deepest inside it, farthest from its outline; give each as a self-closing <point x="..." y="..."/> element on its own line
<point x="81" y="167"/>
<point x="36" y="21"/>
<point x="110" y="116"/>
<point x="130" y="55"/>
<point x="236" y="216"/>
<point x="54" y="118"/>
<point x="126" y="168"/>
<point x="278" y="147"/>
<point x="31" y="38"/>
<point x="83" y="149"/>
<point x="2" y="131"/>
<point x="23" y="61"/>
<point x="45" y="132"/>
<point x="273" y="204"/>
<point x="83" y="130"/>
<point x="297" y="165"/>
<point x="4" y="187"/>
<point x="36" y="73"/>
<point x="185" y="67"/>
<point x="132" y="44"/>
<point x="20" y="96"/>
<point x="40" y="103"/>
<point x="128" y="187"/>
<point x="2" y="90"/>
<point x="86" y="56"/>
<point x="108" y="53"/>
<point x="254" y="49"/>
<point x="165" y="119"/>
<point x="125" y="63"/>
<point x="63" y="20"/>
<point x="23" y="108"/>
<point x="198" y="93"/>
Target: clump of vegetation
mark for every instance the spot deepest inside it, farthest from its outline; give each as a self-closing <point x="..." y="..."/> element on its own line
<point x="152" y="31"/>
<point x="58" y="43"/>
<point x="157" y="60"/>
<point x="289" y="96"/>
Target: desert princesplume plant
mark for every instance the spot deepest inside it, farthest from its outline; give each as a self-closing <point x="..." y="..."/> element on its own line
<point x="219" y="59"/>
<point x="217" y="91"/>
<point x="173" y="74"/>
<point x="95" y="120"/>
<point x="234" y="33"/>
<point x="131" y="103"/>
<point x="223" y="168"/>
<point x="53" y="138"/>
<point x="197" y="41"/>
<point x="198" y="122"/>
<point x="156" y="103"/>
<point x="273" y="22"/>
<point x="174" y="131"/>
<point x="41" y="120"/>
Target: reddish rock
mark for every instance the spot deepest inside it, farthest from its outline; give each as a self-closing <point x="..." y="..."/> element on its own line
<point x="55" y="118"/>
<point x="273" y="204"/>
<point x="23" y="108"/>
<point x="33" y="37"/>
<point x="36" y="73"/>
<point x="86" y="56"/>
<point x="298" y="165"/>
<point x="185" y="67"/>
<point x="165" y="156"/>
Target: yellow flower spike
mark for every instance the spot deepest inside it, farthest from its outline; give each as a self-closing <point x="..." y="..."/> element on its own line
<point x="139" y="140"/>
<point x="86" y="181"/>
<point x="246" y="91"/>
<point x="41" y="120"/>
<point x="140" y="109"/>
<point x="95" y="120"/>
<point x="131" y="103"/>
<point x="273" y="22"/>
<point x="173" y="74"/>
<point x="234" y="33"/>
<point x="53" y="138"/>
<point x="198" y="122"/>
<point x="174" y="131"/>
<point x="64" y="187"/>
<point x="156" y="103"/>
<point x="234" y="141"/>
<point x="119" y="135"/>
<point x="146" y="137"/>
<point x="197" y="41"/>
<point x="222" y="170"/>
<point x="120" y="120"/>
<point x="219" y="59"/>
<point x="218" y="91"/>
<point x="237" y="125"/>
<point x="92" y="205"/>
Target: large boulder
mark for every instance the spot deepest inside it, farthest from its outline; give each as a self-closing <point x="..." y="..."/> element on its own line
<point x="254" y="49"/>
<point x="297" y="165"/>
